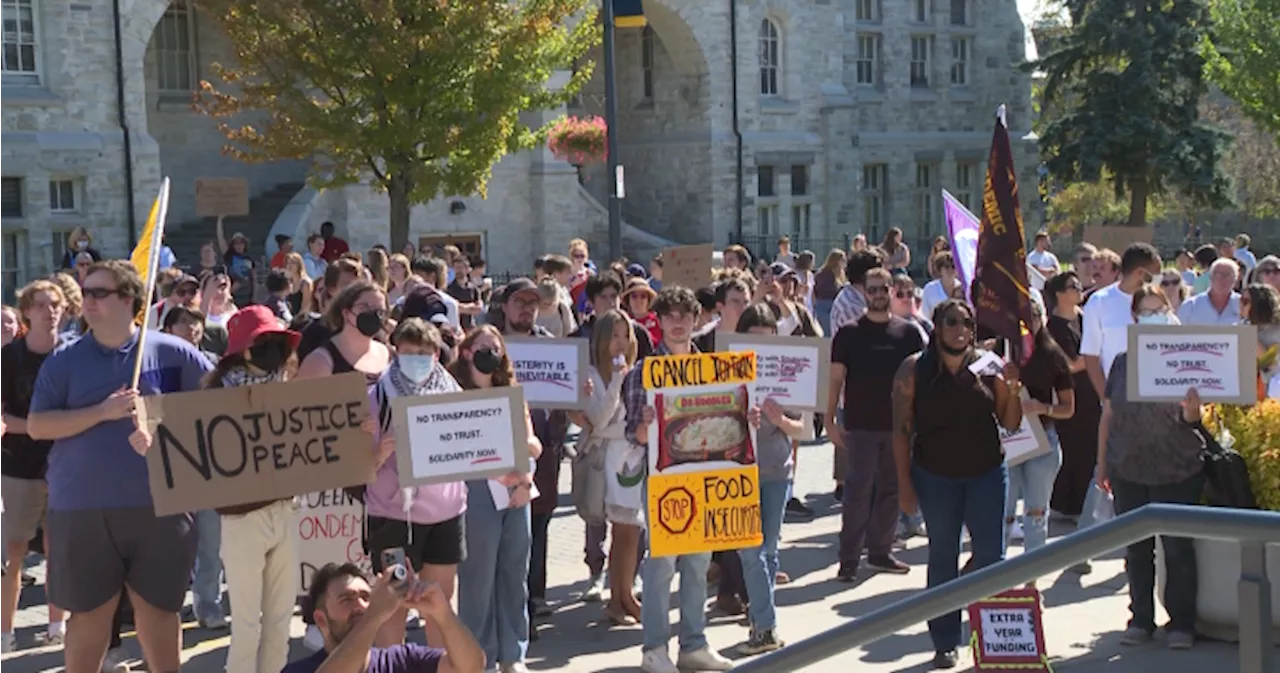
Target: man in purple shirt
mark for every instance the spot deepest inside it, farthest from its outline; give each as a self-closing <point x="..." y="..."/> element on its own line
<point x="349" y="613"/>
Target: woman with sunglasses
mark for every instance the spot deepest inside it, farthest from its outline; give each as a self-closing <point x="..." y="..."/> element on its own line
<point x="1260" y="306"/>
<point x="493" y="578"/>
<point x="1078" y="433"/>
<point x="946" y="445"/>
<point x="218" y="307"/>
<point x="1174" y="287"/>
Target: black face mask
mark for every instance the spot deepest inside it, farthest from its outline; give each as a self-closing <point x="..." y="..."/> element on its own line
<point x="369" y="323"/>
<point x="269" y="356"/>
<point x="486" y="361"/>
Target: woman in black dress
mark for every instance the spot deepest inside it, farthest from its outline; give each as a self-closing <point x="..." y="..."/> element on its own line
<point x="1078" y="434"/>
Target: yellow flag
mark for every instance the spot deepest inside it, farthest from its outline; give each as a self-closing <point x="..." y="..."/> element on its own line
<point x="147" y="253"/>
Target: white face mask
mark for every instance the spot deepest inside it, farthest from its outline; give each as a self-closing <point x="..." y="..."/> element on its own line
<point x="82" y="244"/>
<point x="1162" y="318"/>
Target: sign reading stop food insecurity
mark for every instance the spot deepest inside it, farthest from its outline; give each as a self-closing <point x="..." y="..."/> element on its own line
<point x="703" y="481"/>
<point x="328" y="530"/>
<point x="460" y="436"/>
<point x="231" y="446"/>
<point x="1220" y="362"/>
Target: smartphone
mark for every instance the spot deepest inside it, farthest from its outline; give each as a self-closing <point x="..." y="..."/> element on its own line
<point x="394" y="560"/>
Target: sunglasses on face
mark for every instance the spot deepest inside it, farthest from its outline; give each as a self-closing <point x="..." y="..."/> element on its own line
<point x="904" y="294"/>
<point x="100" y="293"/>
<point x="1170" y="283"/>
<point x="877" y="289"/>
<point x="184" y="291"/>
<point x="953" y="321"/>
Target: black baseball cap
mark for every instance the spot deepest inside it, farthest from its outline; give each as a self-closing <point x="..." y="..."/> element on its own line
<point x="423" y="302"/>
<point x="518" y="286"/>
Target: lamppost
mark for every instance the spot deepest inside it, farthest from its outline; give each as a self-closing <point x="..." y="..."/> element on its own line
<point x="616" y="188"/>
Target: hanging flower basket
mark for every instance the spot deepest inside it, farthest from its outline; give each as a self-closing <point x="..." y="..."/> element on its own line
<point x="579" y="140"/>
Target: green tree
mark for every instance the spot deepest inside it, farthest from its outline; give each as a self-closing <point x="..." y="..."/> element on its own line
<point x="1244" y="57"/>
<point x="1122" y="89"/>
<point x="420" y="97"/>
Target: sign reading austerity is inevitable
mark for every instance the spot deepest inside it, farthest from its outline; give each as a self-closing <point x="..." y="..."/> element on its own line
<point x="230" y="446"/>
<point x="704" y="486"/>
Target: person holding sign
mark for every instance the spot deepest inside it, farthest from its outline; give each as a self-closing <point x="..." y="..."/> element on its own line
<point x="946" y="445"/>
<point x="1150" y="452"/>
<point x="257" y="546"/>
<point x="677" y="309"/>
<point x="426" y="521"/>
<point x="102" y="529"/>
<point x="494" y="575"/>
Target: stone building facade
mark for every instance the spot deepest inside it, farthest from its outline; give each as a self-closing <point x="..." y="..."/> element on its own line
<point x="851" y="115"/>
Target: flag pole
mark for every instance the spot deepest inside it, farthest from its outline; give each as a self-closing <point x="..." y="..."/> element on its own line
<point x="153" y="261"/>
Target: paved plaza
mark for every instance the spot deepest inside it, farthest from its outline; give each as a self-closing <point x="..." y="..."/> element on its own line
<point x="1083" y="620"/>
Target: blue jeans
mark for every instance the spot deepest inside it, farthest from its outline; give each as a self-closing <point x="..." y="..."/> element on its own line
<point x="206" y="588"/>
<point x="655" y="611"/>
<point x="948" y="504"/>
<point x="493" y="589"/>
<point x="1032" y="481"/>
<point x="760" y="564"/>
<point x="822" y="312"/>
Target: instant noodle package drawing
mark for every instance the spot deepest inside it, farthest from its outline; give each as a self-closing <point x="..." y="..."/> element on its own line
<point x="703" y="485"/>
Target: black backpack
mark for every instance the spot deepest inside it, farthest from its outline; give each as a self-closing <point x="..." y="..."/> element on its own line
<point x="1226" y="474"/>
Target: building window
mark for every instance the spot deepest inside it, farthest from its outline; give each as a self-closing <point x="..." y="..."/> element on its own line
<point x="21" y="47"/>
<point x="959" y="12"/>
<point x="767" y="201"/>
<point x="920" y="11"/>
<point x="920" y="61"/>
<point x="965" y="173"/>
<point x="11" y="197"/>
<point x="770" y="61"/>
<point x="62" y="197"/>
<point x="867" y="10"/>
<point x="12" y="248"/>
<point x="800" y="204"/>
<point x="646" y="62"/>
<point x="959" y="61"/>
<point x="175" y="58"/>
<point x="873" y="198"/>
<point x="867" y="59"/>
<point x="925" y="199"/>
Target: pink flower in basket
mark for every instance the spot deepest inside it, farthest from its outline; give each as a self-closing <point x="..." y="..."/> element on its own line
<point x="578" y="140"/>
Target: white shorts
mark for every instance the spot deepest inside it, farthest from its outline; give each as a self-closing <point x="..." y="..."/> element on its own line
<point x="25" y="502"/>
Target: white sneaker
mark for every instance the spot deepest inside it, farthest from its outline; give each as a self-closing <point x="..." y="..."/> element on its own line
<point x="705" y="659"/>
<point x="1015" y="531"/>
<point x="657" y="660"/>
<point x="116" y="661"/>
<point x="9" y="643"/>
<point x="314" y="640"/>
<point x="595" y="589"/>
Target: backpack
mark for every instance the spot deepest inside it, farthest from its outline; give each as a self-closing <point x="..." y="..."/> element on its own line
<point x="1226" y="474"/>
<point x="384" y="426"/>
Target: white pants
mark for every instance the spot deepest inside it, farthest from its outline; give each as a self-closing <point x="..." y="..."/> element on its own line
<point x="260" y="564"/>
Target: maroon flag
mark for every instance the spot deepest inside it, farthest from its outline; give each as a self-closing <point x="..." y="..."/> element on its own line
<point x="1001" y="294"/>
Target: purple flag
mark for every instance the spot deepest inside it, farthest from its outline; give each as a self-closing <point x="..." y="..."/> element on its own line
<point x="962" y="228"/>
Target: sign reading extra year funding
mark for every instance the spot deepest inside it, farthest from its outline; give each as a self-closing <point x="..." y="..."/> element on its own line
<point x="460" y="436"/>
<point x="551" y="371"/>
<point x="704" y="485"/>
<point x="231" y="446"/>
<point x="1220" y="362"/>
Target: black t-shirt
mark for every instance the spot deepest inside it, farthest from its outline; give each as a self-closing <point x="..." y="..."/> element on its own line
<point x="465" y="294"/>
<point x="1047" y="371"/>
<point x="871" y="353"/>
<point x="23" y="457"/>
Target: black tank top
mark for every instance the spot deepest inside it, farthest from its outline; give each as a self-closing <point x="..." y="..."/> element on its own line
<point x="341" y="366"/>
<point x="956" y="433"/>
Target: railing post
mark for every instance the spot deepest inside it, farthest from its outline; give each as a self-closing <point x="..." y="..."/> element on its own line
<point x="1256" y="652"/>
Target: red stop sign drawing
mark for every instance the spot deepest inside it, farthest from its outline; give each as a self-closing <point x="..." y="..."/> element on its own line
<point x="676" y="510"/>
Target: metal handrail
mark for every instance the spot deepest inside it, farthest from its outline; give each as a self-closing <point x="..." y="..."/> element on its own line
<point x="1252" y="528"/>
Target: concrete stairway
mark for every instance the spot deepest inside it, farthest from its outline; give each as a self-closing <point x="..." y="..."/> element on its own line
<point x="186" y="237"/>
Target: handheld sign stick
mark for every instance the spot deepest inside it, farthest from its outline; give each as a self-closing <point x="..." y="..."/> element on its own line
<point x="155" y="222"/>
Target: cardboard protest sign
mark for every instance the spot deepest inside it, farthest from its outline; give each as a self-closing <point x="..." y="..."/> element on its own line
<point x="704" y="490"/>
<point x="222" y="196"/>
<point x="460" y="436"/>
<point x="1221" y="362"/>
<point x="1008" y="632"/>
<point x="792" y="370"/>
<point x="551" y="371"/>
<point x="231" y="446"/>
<point x="687" y="265"/>
<point x="328" y="530"/>
<point x="1030" y="441"/>
<point x="1117" y="238"/>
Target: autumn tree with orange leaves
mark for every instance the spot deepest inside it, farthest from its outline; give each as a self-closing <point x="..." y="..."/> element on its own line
<point x="419" y="97"/>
